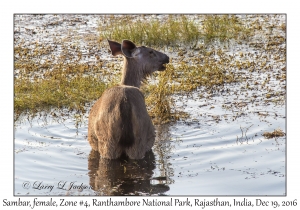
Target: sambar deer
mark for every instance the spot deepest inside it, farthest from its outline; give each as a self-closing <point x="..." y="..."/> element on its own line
<point x="119" y="123"/>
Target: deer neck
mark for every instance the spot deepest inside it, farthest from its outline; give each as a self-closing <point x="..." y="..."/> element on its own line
<point x="131" y="74"/>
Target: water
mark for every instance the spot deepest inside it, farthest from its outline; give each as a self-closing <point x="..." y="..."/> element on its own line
<point x="218" y="150"/>
<point x="202" y="156"/>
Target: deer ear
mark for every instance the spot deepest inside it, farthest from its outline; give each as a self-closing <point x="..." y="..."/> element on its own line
<point x="115" y="48"/>
<point x="127" y="48"/>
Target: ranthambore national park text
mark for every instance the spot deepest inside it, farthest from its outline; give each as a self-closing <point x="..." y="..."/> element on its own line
<point x="156" y="202"/>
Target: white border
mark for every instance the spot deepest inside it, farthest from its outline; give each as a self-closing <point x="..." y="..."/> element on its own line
<point x="154" y="6"/>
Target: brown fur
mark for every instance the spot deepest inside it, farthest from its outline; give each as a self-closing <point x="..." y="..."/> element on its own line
<point x="119" y="122"/>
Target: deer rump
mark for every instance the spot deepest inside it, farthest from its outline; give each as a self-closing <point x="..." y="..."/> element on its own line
<point x="119" y="124"/>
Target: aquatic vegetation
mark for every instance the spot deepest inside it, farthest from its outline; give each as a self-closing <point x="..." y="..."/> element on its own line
<point x="67" y="73"/>
<point x="56" y="91"/>
<point x="276" y="133"/>
<point x="172" y="30"/>
<point x="181" y="79"/>
<point x="158" y="99"/>
<point x="42" y="84"/>
<point x="46" y="79"/>
<point x="224" y="27"/>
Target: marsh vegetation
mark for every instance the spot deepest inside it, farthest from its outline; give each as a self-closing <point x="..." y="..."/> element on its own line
<point x="224" y="92"/>
<point x="56" y="75"/>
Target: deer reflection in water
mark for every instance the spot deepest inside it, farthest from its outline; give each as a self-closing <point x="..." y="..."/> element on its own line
<point x="124" y="176"/>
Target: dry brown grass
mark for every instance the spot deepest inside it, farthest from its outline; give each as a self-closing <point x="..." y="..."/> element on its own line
<point x="276" y="133"/>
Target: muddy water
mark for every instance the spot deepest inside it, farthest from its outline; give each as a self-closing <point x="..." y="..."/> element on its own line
<point x="218" y="150"/>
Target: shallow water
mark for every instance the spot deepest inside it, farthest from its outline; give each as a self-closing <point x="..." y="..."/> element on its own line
<point x="218" y="150"/>
<point x="202" y="156"/>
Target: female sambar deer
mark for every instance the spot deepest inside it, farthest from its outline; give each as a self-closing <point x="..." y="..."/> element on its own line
<point x="119" y="123"/>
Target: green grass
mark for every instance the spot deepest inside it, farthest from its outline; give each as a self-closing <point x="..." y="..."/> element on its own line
<point x="40" y="86"/>
<point x="57" y="91"/>
<point x="175" y="30"/>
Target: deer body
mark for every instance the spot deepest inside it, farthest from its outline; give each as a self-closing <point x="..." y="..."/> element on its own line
<point x="119" y="123"/>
